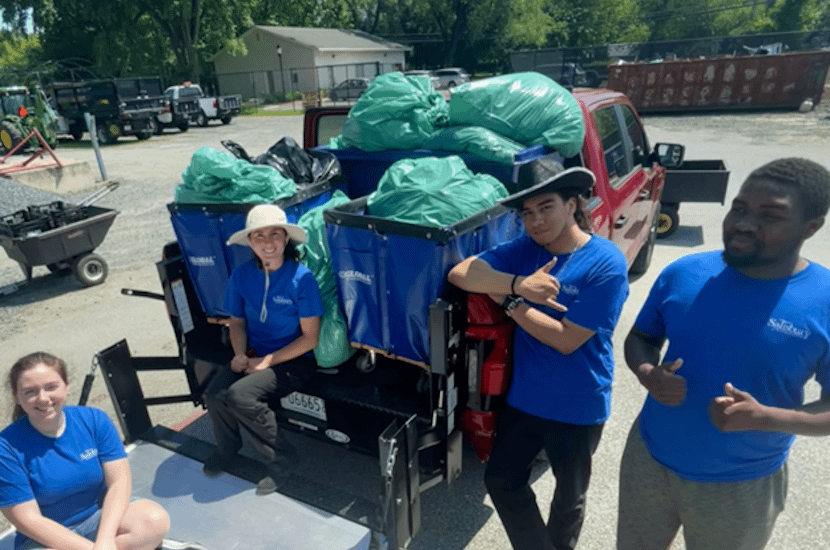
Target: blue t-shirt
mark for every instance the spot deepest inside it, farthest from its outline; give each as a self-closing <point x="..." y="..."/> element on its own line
<point x="573" y="388"/>
<point x="293" y="294"/>
<point x="767" y="337"/>
<point x="63" y="474"/>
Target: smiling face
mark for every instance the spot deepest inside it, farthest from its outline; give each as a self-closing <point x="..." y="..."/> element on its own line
<point x="41" y="392"/>
<point x="546" y="218"/>
<point x="765" y="228"/>
<point x="269" y="244"/>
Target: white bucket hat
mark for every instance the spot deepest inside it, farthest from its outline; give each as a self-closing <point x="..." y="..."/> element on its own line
<point x="267" y="215"/>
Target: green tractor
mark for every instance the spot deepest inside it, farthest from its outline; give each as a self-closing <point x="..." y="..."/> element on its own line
<point x="22" y="109"/>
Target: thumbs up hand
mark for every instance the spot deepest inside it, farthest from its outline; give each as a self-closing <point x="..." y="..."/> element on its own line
<point x="663" y="384"/>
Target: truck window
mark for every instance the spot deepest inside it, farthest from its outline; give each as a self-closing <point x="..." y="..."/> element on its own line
<point x="328" y="127"/>
<point x="189" y="91"/>
<point x="127" y="88"/>
<point x="635" y="133"/>
<point x="612" y="143"/>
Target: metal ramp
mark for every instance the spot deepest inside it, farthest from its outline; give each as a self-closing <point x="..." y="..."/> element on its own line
<point x="223" y="513"/>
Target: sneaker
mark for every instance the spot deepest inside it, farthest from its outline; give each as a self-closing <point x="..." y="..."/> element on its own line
<point x="170" y="544"/>
<point x="216" y="464"/>
<point x="277" y="476"/>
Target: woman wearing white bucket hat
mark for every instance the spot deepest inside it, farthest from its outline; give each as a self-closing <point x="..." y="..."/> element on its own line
<point x="275" y="308"/>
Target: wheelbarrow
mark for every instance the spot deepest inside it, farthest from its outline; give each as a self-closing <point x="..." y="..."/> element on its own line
<point x="60" y="236"/>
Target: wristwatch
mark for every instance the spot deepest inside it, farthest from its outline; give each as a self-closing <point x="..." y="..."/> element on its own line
<point x="510" y="303"/>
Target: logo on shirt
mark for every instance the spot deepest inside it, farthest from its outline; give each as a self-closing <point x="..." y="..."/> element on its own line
<point x="569" y="289"/>
<point x="89" y="454"/>
<point x="282" y="301"/>
<point x="351" y="275"/>
<point x="786" y="327"/>
<point x="202" y="261"/>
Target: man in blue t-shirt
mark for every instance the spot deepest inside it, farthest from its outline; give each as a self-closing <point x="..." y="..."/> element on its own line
<point x="564" y="288"/>
<point x="747" y="328"/>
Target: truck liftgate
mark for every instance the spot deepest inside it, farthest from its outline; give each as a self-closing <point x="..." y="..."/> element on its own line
<point x="410" y="441"/>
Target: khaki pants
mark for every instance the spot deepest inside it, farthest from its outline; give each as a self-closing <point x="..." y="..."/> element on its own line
<point x="654" y="503"/>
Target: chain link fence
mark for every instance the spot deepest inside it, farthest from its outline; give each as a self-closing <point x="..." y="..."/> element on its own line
<point x="303" y="87"/>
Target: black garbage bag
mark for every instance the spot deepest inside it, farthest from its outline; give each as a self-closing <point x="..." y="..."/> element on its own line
<point x="301" y="165"/>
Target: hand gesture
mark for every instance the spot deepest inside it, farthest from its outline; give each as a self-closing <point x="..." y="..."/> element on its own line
<point x="239" y="363"/>
<point x="541" y="287"/>
<point x="738" y="411"/>
<point x="664" y="385"/>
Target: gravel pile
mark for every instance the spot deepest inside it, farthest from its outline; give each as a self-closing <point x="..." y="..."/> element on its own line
<point x="16" y="196"/>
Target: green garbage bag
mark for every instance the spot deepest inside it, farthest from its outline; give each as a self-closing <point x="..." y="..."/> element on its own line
<point x="395" y="112"/>
<point x="526" y="107"/>
<point x="333" y="348"/>
<point x="477" y="141"/>
<point x="433" y="191"/>
<point x="218" y="177"/>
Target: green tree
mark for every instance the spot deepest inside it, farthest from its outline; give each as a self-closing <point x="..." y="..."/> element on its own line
<point x="17" y="53"/>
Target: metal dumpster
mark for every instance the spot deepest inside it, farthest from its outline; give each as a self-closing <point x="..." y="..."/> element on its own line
<point x="729" y="82"/>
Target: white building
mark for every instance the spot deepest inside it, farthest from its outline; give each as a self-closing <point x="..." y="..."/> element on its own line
<point x="304" y="59"/>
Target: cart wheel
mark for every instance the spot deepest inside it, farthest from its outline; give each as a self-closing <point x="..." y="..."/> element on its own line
<point x="91" y="269"/>
<point x="366" y="363"/>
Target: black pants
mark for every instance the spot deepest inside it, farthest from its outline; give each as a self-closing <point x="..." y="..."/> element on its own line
<point x="242" y="403"/>
<point x="569" y="448"/>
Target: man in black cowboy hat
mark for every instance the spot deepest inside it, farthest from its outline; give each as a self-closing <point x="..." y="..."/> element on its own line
<point x="564" y="287"/>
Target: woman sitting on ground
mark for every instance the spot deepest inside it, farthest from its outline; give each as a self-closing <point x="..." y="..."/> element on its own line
<point x="275" y="308"/>
<point x="64" y="476"/>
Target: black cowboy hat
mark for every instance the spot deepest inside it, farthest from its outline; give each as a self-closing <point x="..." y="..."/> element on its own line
<point x="546" y="175"/>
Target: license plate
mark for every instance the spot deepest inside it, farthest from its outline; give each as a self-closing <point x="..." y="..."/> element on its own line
<point x="305" y="404"/>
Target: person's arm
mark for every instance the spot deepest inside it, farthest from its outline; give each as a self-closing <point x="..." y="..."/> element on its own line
<point x="305" y="342"/>
<point x="642" y="355"/>
<point x="239" y="343"/>
<point x="737" y="411"/>
<point x="476" y="275"/>
<point x="563" y="336"/>
<point x="27" y="519"/>
<point x="119" y="487"/>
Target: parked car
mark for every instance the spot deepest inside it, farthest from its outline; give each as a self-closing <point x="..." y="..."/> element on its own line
<point x="451" y="77"/>
<point x="352" y="88"/>
<point x="436" y="82"/>
<point x="222" y="108"/>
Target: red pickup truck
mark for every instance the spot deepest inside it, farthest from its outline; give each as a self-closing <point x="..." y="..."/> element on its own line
<point x="625" y="200"/>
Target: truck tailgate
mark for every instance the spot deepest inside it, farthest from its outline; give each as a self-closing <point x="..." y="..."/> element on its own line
<point x="696" y="181"/>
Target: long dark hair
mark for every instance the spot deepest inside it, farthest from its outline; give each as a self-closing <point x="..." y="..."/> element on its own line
<point x="581" y="214"/>
<point x="28" y="362"/>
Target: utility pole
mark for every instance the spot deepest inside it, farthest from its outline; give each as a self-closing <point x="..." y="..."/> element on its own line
<point x="282" y="74"/>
